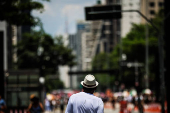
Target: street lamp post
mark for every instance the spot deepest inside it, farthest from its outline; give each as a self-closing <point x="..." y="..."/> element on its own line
<point x="136" y="65"/>
<point x="41" y="79"/>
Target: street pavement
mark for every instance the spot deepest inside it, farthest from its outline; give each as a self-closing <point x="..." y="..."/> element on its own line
<point x="108" y="109"/>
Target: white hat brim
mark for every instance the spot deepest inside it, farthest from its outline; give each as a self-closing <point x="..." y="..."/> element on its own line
<point x="90" y="87"/>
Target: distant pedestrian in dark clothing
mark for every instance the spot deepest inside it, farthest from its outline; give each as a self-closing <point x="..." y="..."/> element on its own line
<point x="140" y="105"/>
<point x="113" y="102"/>
<point x="35" y="106"/>
<point x="61" y="104"/>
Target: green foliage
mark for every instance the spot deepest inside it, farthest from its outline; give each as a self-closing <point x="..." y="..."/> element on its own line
<point x="133" y="45"/>
<point x="18" y="12"/>
<point x="100" y="61"/>
<point x="43" y="52"/>
<point x="52" y="84"/>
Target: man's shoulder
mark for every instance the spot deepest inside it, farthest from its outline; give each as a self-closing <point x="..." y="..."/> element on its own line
<point x="83" y="94"/>
<point x="76" y="94"/>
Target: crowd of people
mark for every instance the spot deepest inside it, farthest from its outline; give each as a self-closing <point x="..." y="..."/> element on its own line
<point x="125" y="98"/>
<point x="62" y="99"/>
<point x="56" y="101"/>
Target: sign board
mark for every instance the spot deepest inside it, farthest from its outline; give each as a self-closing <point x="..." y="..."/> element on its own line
<point x="103" y="12"/>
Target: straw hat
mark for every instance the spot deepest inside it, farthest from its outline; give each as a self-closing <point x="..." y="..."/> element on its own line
<point x="89" y="81"/>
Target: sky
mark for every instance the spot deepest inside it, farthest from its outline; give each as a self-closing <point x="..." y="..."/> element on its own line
<point x="61" y="13"/>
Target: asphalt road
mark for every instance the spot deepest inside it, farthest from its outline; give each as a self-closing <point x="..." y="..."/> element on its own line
<point x="107" y="109"/>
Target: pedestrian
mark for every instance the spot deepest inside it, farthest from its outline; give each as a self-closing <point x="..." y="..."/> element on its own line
<point x="35" y="105"/>
<point x="61" y="104"/>
<point x="47" y="105"/>
<point x="113" y="101"/>
<point x="123" y="105"/>
<point x="140" y="104"/>
<point x="2" y="105"/>
<point x="85" y="101"/>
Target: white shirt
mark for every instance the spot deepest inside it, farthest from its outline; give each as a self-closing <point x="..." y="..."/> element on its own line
<point x="84" y="103"/>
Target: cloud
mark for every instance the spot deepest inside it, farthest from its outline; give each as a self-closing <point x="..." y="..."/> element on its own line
<point x="60" y="30"/>
<point x="57" y="12"/>
<point x="73" y="12"/>
<point x="71" y="9"/>
<point x="49" y="10"/>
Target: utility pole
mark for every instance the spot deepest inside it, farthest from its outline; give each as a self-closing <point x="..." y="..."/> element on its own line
<point x="2" y="76"/>
<point x="136" y="74"/>
<point x="166" y="47"/>
<point x="146" y="49"/>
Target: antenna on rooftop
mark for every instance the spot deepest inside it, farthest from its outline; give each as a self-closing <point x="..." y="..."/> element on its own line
<point x="66" y="24"/>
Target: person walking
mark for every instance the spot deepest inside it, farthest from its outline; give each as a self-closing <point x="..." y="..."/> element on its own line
<point x="35" y="105"/>
<point x="61" y="104"/>
<point x="2" y="105"/>
<point x="85" y="101"/>
<point x="123" y="105"/>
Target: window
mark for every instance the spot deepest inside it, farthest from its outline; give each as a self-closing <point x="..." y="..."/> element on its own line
<point x="151" y="4"/>
<point x="12" y="79"/>
<point x="152" y="12"/>
<point x="131" y="16"/>
<point x="130" y="4"/>
<point x="160" y="4"/>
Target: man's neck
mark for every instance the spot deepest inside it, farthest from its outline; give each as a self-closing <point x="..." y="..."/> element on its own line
<point x="88" y="92"/>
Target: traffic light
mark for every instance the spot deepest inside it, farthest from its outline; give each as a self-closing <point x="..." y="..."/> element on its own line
<point x="103" y="12"/>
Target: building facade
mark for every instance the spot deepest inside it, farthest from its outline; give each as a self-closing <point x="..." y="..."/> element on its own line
<point x="129" y="17"/>
<point x="106" y="32"/>
<point x="150" y="7"/>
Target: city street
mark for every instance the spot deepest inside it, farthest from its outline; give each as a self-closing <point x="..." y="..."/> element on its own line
<point x="108" y="109"/>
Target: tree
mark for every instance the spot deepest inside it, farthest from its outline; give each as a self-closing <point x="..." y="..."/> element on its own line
<point x="18" y="12"/>
<point x="102" y="62"/>
<point x="39" y="50"/>
<point x="52" y="84"/>
<point x="44" y="52"/>
<point x="133" y="45"/>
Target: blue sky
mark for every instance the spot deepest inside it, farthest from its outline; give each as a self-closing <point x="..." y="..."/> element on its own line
<point x="58" y="11"/>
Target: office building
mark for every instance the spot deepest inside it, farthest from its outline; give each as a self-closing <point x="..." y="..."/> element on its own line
<point x="129" y="17"/>
<point x="150" y="7"/>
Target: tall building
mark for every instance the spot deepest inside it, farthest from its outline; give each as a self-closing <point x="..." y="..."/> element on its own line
<point x="106" y="32"/>
<point x="76" y="43"/>
<point x="150" y="7"/>
<point x="94" y="37"/>
<point x="73" y="44"/>
<point x="63" y="70"/>
<point x="87" y="44"/>
<point x="82" y="27"/>
<point x="129" y="17"/>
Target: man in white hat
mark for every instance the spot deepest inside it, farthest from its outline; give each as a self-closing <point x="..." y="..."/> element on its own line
<point x="85" y="101"/>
